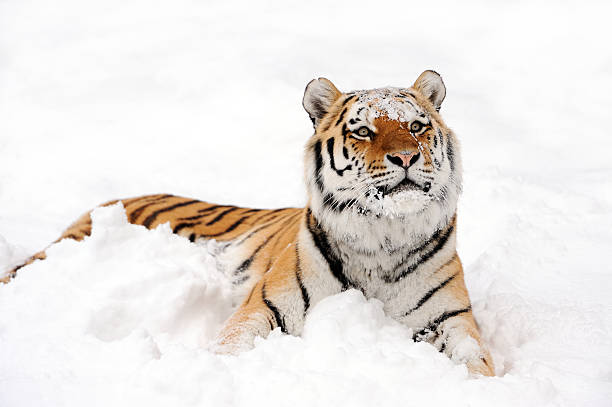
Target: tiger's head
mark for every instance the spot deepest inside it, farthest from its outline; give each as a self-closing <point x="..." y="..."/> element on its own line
<point x="381" y="152"/>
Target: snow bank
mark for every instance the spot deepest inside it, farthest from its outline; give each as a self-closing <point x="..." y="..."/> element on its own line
<point x="124" y="317"/>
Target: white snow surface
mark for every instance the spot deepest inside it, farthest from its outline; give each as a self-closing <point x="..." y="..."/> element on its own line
<point x="103" y="100"/>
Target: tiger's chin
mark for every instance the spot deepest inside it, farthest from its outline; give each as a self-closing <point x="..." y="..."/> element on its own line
<point x="401" y="203"/>
<point x="405" y="198"/>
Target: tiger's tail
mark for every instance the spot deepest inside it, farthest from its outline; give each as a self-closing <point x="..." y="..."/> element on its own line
<point x="77" y="231"/>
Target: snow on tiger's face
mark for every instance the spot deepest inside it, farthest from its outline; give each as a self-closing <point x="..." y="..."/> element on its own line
<point x="382" y="151"/>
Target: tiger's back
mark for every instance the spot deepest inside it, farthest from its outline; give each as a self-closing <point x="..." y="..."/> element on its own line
<point x="246" y="230"/>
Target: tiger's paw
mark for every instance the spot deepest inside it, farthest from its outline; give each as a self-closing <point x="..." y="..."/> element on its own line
<point x="481" y="367"/>
<point x="232" y="342"/>
<point x="477" y="359"/>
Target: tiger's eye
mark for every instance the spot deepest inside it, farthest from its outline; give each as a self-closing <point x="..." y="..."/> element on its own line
<point x="363" y="131"/>
<point x="415" y="127"/>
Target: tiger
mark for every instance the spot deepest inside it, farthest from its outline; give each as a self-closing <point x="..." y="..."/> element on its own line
<point x="383" y="177"/>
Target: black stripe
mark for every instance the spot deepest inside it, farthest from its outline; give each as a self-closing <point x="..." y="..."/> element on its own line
<point x="439" y="132"/>
<point x="270" y="214"/>
<point x="261" y="220"/>
<point x="430" y="293"/>
<point x="439" y="245"/>
<point x="437" y="163"/>
<point x="229" y="229"/>
<point x="192" y="237"/>
<point x="136" y="212"/>
<point x="247" y="237"/>
<point x="212" y="208"/>
<point x="330" y="201"/>
<point x="182" y="226"/>
<point x="151" y="218"/>
<point x="14" y="271"/>
<point x="256" y="230"/>
<point x="241" y="280"/>
<point x="320" y="240"/>
<point x="247" y="262"/>
<point x="330" y="151"/>
<point x="298" y="276"/>
<point x="149" y="199"/>
<point x="412" y="252"/>
<point x="412" y="105"/>
<point x="345" y="131"/>
<point x="277" y="316"/>
<point x="318" y="165"/>
<point x="450" y="153"/>
<point x="433" y="325"/>
<point x="345" y="101"/>
<point x="221" y="215"/>
<point x="205" y="212"/>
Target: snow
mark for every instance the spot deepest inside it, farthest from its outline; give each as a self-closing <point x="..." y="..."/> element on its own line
<point x="383" y="105"/>
<point x="133" y="329"/>
<point x="117" y="99"/>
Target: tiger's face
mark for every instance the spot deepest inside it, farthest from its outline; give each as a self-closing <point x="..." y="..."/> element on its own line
<point x="382" y="151"/>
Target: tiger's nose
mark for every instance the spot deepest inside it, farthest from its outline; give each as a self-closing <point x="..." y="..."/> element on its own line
<point x="404" y="159"/>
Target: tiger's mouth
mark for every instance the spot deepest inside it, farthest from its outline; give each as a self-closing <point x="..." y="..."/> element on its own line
<point x="406" y="185"/>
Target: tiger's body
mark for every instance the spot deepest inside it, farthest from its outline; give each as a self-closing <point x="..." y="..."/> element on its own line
<point x="383" y="174"/>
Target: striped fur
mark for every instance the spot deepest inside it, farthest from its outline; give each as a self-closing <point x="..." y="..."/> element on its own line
<point x="383" y="174"/>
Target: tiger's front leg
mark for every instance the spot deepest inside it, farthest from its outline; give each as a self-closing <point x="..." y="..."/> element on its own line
<point x="257" y="316"/>
<point x="280" y="299"/>
<point x="455" y="333"/>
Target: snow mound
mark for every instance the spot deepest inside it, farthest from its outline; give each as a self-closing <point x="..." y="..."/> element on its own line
<point x="124" y="317"/>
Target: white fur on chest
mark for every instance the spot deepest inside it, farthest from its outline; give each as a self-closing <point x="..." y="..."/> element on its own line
<point x="374" y="248"/>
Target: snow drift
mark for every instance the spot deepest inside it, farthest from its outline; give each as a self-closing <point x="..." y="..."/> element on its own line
<point x="124" y="318"/>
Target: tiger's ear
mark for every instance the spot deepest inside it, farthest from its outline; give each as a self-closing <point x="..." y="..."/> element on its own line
<point x="430" y="84"/>
<point x="319" y="95"/>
